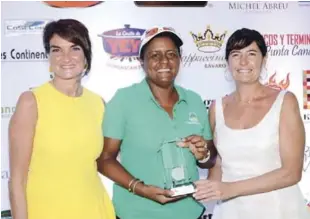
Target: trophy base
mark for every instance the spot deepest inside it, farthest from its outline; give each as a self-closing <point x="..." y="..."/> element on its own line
<point x="183" y="190"/>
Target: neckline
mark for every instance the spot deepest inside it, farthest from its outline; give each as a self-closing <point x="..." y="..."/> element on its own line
<point x="257" y="124"/>
<point x="146" y="87"/>
<point x="64" y="95"/>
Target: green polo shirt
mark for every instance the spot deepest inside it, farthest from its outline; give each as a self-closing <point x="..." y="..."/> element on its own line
<point x="135" y="117"/>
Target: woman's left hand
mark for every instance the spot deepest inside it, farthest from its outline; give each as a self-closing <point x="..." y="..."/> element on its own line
<point x="197" y="145"/>
<point x="207" y="190"/>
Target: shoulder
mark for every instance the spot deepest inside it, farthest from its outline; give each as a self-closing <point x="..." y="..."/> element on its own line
<point x="26" y="105"/>
<point x="125" y="93"/>
<point x="220" y="100"/>
<point x="190" y="94"/>
<point x="290" y="102"/>
<point x="290" y="97"/>
<point x="27" y="99"/>
<point x="227" y="98"/>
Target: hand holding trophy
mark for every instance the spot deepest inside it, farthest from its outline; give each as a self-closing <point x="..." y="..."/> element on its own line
<point x="175" y="155"/>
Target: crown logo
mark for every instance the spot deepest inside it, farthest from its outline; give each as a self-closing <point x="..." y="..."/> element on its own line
<point x="208" y="41"/>
<point x="282" y="85"/>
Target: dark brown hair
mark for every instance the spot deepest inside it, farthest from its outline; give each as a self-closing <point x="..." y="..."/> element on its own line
<point x="244" y="37"/>
<point x="72" y="31"/>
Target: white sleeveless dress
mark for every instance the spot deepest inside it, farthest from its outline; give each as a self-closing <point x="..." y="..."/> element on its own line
<point x="247" y="153"/>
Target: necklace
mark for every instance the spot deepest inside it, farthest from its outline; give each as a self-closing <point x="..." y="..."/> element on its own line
<point x="250" y="101"/>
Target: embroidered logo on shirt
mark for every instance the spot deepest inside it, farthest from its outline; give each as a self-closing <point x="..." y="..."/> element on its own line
<point x="193" y="119"/>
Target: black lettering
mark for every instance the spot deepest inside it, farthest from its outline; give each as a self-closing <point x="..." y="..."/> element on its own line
<point x="3" y="56"/>
<point x="207" y="103"/>
<point x="306" y="116"/>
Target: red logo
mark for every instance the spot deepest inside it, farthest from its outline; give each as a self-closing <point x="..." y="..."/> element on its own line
<point x="282" y="85"/>
<point x="72" y="4"/>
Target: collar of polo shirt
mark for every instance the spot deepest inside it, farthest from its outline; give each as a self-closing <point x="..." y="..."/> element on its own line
<point x="148" y="93"/>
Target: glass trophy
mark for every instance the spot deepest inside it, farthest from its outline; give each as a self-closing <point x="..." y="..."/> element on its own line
<point x="176" y="175"/>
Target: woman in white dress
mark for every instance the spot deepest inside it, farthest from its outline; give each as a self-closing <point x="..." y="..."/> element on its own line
<point x="260" y="137"/>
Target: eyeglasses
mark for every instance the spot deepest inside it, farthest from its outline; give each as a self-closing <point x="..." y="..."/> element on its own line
<point x="155" y="30"/>
<point x="157" y="56"/>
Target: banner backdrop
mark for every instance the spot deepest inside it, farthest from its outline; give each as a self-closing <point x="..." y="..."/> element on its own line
<point x="115" y="30"/>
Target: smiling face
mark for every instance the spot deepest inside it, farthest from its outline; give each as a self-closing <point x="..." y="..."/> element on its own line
<point x="161" y="61"/>
<point x="246" y="64"/>
<point x="67" y="60"/>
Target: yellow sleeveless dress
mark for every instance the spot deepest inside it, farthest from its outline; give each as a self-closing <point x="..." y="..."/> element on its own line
<point x="63" y="182"/>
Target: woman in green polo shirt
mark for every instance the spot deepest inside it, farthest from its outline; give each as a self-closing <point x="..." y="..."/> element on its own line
<point x="139" y="119"/>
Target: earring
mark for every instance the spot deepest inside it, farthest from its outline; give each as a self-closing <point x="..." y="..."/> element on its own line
<point x="263" y="74"/>
<point x="227" y="75"/>
<point x="85" y="66"/>
<point x="51" y="72"/>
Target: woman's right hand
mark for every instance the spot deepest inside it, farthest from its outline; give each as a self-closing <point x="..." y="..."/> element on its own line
<point x="157" y="194"/>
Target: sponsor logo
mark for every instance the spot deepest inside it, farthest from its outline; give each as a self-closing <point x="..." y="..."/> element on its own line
<point x="208" y="41"/>
<point x="193" y="118"/>
<point x="19" y="55"/>
<point x="122" y="46"/>
<point x="209" y="44"/>
<point x="258" y="6"/>
<point x="6" y="214"/>
<point x="22" y="27"/>
<point x="72" y="4"/>
<point x="7" y="111"/>
<point x="306" y="158"/>
<point x="288" y="44"/>
<point x="281" y="85"/>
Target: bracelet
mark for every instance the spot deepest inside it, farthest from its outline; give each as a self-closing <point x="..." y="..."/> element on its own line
<point x="134" y="185"/>
<point x="130" y="184"/>
<point x="206" y="158"/>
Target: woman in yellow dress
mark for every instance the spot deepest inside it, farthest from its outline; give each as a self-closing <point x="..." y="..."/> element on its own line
<point x="55" y="136"/>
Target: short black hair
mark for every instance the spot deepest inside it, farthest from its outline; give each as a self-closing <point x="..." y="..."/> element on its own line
<point x="71" y="30"/>
<point x="174" y="39"/>
<point x="244" y="37"/>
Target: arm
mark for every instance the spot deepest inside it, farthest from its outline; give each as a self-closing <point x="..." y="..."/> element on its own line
<point x="21" y="133"/>
<point x="114" y="131"/>
<point x="202" y="145"/>
<point x="215" y="173"/>
<point x="107" y="163"/>
<point x="109" y="166"/>
<point x="291" y="141"/>
<point x="213" y="154"/>
<point x="292" y="145"/>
